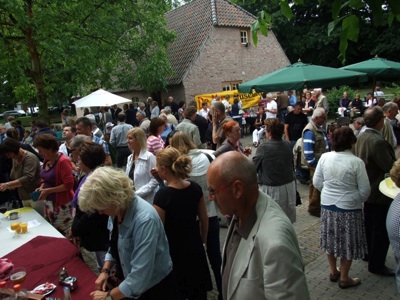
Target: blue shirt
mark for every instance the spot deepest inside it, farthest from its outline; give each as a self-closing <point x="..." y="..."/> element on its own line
<point x="309" y="142"/>
<point x="292" y="100"/>
<point x="143" y="249"/>
<point x="102" y="143"/>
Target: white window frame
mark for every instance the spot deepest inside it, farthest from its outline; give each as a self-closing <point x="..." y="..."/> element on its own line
<point x="244" y="37"/>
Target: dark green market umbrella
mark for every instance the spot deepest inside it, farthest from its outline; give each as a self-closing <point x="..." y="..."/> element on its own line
<point x="299" y="76"/>
<point x="377" y="68"/>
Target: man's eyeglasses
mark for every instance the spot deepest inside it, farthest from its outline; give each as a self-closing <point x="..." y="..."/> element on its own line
<point x="212" y="193"/>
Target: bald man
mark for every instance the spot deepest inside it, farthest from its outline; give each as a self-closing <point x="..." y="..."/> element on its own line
<point x="261" y="254"/>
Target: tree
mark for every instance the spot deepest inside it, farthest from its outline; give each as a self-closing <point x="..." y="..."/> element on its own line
<point x="348" y="14"/>
<point x="62" y="48"/>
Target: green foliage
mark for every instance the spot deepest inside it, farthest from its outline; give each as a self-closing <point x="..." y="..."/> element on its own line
<point x="62" y="48"/>
<point x="394" y="89"/>
<point x="352" y="15"/>
<point x="335" y="94"/>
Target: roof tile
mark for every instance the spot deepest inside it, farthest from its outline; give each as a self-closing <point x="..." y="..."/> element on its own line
<point x="193" y="23"/>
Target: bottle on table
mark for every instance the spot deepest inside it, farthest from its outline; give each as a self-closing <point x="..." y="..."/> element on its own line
<point x="67" y="293"/>
<point x="19" y="293"/>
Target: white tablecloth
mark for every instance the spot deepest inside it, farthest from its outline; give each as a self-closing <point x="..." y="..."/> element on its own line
<point x="8" y="243"/>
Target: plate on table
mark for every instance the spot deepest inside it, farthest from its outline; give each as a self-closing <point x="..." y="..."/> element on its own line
<point x="44" y="289"/>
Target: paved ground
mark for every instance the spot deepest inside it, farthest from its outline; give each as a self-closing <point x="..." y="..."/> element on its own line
<point x="316" y="264"/>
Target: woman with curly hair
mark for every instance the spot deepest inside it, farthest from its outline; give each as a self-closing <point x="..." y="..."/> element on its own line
<point x="179" y="205"/>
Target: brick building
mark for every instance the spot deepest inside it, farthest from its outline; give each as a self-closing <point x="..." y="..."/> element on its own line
<point x="213" y="50"/>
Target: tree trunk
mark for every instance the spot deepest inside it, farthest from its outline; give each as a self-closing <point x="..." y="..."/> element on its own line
<point x="36" y="71"/>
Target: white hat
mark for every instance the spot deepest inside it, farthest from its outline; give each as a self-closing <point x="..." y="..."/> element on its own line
<point x="109" y="124"/>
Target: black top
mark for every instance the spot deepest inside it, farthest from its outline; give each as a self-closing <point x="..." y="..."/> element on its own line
<point x="296" y="125"/>
<point x="183" y="233"/>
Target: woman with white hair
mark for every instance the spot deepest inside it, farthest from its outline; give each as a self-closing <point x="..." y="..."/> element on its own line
<point x="139" y="165"/>
<point x="138" y="244"/>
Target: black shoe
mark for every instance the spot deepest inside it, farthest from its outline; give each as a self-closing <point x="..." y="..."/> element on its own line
<point x="315" y="214"/>
<point x="385" y="271"/>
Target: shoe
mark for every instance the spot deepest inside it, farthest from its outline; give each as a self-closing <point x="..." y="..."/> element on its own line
<point x="335" y="278"/>
<point x="315" y="214"/>
<point x="385" y="271"/>
<point x="348" y="284"/>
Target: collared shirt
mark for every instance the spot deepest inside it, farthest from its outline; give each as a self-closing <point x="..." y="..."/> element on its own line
<point x="143" y="249"/>
<point x="118" y="134"/>
<point x="191" y="130"/>
<point x="155" y="112"/>
<point x="102" y="143"/>
<point x="309" y="142"/>
<point x="232" y="244"/>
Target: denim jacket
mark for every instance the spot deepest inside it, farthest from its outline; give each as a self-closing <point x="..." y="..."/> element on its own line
<point x="143" y="249"/>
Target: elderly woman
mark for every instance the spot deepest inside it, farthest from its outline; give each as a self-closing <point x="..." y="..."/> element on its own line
<point x="232" y="142"/>
<point x="25" y="173"/>
<point x="138" y="243"/>
<point x="393" y="221"/>
<point x="179" y="205"/>
<point x="200" y="163"/>
<point x="91" y="156"/>
<point x="274" y="163"/>
<point x="169" y="127"/>
<point x="139" y="165"/>
<point x="57" y="183"/>
<point x="342" y="179"/>
<point x="155" y="142"/>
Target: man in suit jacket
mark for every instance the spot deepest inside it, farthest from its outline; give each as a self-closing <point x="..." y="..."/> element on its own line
<point x="261" y="257"/>
<point x="378" y="156"/>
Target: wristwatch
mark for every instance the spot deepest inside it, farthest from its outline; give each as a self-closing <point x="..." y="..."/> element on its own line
<point x="108" y="297"/>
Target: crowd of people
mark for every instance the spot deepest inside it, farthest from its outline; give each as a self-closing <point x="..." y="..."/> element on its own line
<point x="149" y="181"/>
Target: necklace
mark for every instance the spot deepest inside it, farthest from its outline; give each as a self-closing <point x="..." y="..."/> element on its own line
<point x="51" y="163"/>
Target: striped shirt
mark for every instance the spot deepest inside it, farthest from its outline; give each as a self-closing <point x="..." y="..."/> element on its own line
<point x="309" y="142"/>
<point x="102" y="143"/>
<point x="154" y="144"/>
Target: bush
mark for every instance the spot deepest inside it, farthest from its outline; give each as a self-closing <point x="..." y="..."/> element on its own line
<point x="334" y="95"/>
<point x="394" y="89"/>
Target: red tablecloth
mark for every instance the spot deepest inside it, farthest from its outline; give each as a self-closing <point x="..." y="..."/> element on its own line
<point x="44" y="257"/>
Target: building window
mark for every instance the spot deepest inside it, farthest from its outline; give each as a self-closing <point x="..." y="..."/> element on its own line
<point x="231" y="85"/>
<point x="244" y="34"/>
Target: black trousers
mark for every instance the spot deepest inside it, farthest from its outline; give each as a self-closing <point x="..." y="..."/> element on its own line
<point x="166" y="289"/>
<point x="377" y="236"/>
<point x="122" y="156"/>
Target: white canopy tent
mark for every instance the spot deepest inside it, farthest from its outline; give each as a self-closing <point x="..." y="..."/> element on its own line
<point x="100" y="98"/>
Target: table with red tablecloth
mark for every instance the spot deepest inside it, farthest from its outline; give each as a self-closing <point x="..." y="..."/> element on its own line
<point x="44" y="257"/>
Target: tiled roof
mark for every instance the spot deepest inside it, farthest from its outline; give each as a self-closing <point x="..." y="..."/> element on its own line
<point x="232" y="15"/>
<point x="193" y="23"/>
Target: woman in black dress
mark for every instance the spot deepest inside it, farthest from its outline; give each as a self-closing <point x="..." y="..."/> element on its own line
<point x="179" y="205"/>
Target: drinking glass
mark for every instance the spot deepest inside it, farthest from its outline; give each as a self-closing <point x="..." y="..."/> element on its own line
<point x="248" y="149"/>
<point x="16" y="226"/>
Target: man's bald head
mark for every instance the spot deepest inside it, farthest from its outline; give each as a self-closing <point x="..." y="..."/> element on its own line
<point x="232" y="166"/>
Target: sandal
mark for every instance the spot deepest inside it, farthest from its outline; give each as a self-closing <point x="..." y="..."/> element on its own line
<point x="335" y="278"/>
<point x="348" y="284"/>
